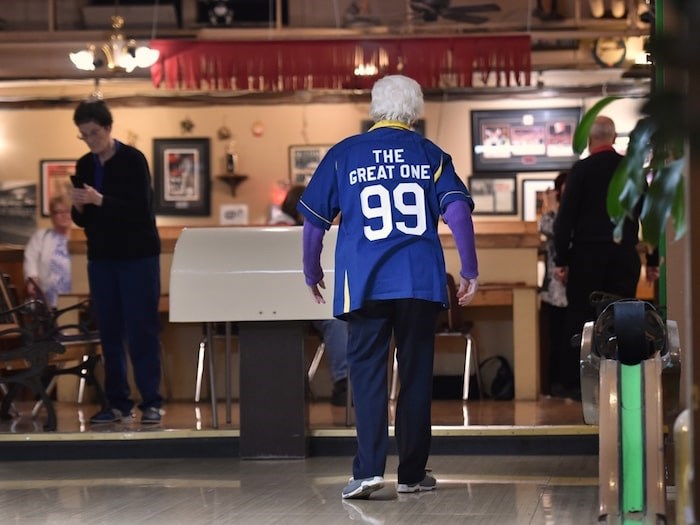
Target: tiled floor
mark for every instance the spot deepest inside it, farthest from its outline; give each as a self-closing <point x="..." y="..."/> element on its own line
<point x="499" y="489"/>
<point x="477" y="490"/>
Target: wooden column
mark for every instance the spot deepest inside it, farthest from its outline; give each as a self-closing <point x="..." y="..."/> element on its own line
<point x="526" y="348"/>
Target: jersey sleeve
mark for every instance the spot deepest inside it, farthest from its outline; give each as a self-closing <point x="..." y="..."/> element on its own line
<point x="319" y="204"/>
<point x="448" y="185"/>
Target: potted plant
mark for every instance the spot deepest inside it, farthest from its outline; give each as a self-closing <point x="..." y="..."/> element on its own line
<point x="653" y="166"/>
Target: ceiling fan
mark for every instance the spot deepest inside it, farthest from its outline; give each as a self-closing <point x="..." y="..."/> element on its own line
<point x="431" y="10"/>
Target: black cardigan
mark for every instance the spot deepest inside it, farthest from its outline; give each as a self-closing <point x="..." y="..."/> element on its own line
<point x="583" y="217"/>
<point x="124" y="227"/>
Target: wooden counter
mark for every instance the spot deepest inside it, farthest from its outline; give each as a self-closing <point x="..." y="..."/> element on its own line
<point x="508" y="254"/>
<point x="508" y="265"/>
<point x="505" y="302"/>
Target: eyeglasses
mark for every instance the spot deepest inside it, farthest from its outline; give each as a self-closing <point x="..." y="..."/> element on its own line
<point x="90" y="135"/>
<point x="60" y="212"/>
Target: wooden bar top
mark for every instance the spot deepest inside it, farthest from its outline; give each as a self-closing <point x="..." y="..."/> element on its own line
<point x="498" y="234"/>
<point x="491" y="234"/>
<point x="496" y="294"/>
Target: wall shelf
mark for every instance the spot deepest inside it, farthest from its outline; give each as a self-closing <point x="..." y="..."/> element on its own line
<point x="233" y="180"/>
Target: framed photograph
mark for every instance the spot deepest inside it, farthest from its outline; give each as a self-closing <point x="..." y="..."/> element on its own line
<point x="181" y="178"/>
<point x="533" y="197"/>
<point x="418" y="125"/>
<point x="523" y="140"/>
<point x="493" y="195"/>
<point x="55" y="180"/>
<point x="303" y="160"/>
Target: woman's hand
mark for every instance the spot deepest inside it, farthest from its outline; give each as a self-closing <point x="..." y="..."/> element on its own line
<point x="652" y="274"/>
<point x="86" y="195"/>
<point x="561" y="273"/>
<point x="316" y="292"/>
<point x="31" y="288"/>
<point x="467" y="290"/>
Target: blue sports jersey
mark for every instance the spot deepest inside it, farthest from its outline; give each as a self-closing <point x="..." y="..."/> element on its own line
<point x="390" y="186"/>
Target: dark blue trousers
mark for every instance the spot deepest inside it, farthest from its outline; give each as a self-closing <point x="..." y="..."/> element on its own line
<point x="126" y="295"/>
<point x="412" y="323"/>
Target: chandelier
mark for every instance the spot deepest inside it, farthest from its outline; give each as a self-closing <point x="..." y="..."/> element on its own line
<point x="119" y="54"/>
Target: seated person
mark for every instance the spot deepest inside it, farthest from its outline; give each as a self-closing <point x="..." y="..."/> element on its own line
<point x="334" y="332"/>
<point x="47" y="266"/>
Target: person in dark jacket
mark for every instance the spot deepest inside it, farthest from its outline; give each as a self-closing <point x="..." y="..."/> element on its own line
<point x="113" y="203"/>
<point x="586" y="256"/>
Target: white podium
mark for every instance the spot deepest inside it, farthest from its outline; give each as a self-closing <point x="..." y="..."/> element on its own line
<point x="253" y="276"/>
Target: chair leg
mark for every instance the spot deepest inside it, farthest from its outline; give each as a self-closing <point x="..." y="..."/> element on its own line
<point x="8" y="407"/>
<point x="394" y="377"/>
<point x="316" y="361"/>
<point x="49" y="390"/>
<point x="200" y="370"/>
<point x="212" y="377"/>
<point x="38" y="389"/>
<point x="82" y="382"/>
<point x="470" y="356"/>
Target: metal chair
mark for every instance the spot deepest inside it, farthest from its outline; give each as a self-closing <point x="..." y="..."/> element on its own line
<point x="313" y="368"/>
<point x="73" y="326"/>
<point x="217" y="332"/>
<point x="25" y="354"/>
<point x="447" y="327"/>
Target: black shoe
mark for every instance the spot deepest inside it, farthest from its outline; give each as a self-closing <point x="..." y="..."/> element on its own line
<point x="557" y="390"/>
<point x="340" y="393"/>
<point x="566" y="392"/>
<point x="151" y="416"/>
<point x="574" y="393"/>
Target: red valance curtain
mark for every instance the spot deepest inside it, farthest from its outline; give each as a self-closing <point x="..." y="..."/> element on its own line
<point x="289" y="65"/>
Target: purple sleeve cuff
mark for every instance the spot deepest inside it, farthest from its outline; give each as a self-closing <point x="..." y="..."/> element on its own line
<point x="458" y="217"/>
<point x="312" y="243"/>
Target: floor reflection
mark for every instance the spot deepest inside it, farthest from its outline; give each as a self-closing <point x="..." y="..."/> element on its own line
<point x="184" y="415"/>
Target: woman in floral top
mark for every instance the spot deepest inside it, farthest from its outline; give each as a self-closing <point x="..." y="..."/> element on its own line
<point x="553" y="291"/>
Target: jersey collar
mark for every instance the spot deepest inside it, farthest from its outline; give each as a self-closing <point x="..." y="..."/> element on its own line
<point x="390" y="124"/>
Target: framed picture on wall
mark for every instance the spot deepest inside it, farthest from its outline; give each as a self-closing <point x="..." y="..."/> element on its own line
<point x="303" y="160"/>
<point x="181" y="178"/>
<point x="533" y="195"/>
<point x="493" y="195"/>
<point x="523" y="139"/>
<point x="55" y="180"/>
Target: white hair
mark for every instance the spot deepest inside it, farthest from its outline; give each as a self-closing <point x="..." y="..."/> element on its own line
<point x="396" y="97"/>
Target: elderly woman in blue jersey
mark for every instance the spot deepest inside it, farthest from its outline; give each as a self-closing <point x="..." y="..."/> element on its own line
<point x="389" y="186"/>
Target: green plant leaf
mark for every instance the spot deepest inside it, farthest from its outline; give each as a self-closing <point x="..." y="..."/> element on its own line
<point x="628" y="183"/>
<point x="661" y="198"/>
<point x="678" y="210"/>
<point x="584" y="127"/>
<point x="616" y="211"/>
<point x="617" y="231"/>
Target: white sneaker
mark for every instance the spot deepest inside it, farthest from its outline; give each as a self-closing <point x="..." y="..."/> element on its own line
<point x="427" y="483"/>
<point x="362" y="488"/>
